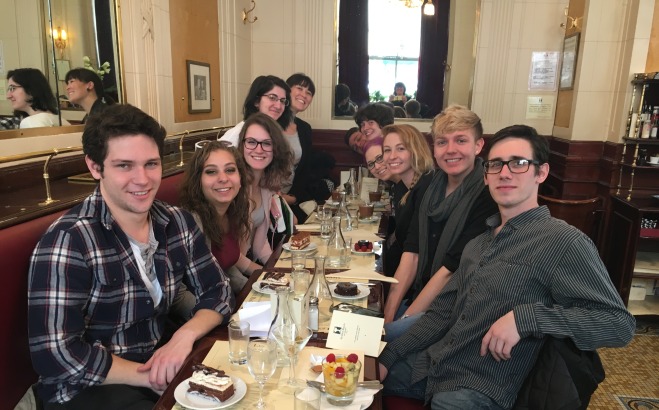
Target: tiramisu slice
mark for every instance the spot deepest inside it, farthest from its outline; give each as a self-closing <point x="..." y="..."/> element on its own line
<point x="300" y="240"/>
<point x="274" y="280"/>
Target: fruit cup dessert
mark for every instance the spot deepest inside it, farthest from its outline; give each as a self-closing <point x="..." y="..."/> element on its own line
<point x="341" y="374"/>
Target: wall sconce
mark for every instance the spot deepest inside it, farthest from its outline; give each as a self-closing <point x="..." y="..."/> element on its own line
<point x="571" y="21"/>
<point x="246" y="12"/>
<point x="428" y="8"/>
<point x="60" y="37"/>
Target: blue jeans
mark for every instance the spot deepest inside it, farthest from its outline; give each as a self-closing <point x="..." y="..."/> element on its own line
<point x="397" y="328"/>
<point x="398" y="383"/>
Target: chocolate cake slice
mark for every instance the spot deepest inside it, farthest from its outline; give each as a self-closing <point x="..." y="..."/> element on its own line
<point x="211" y="383"/>
<point x="274" y="280"/>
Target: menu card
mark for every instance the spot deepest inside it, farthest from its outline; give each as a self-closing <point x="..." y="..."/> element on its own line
<point x="349" y="330"/>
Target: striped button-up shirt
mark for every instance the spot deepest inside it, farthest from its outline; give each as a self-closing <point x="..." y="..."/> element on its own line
<point x="544" y="270"/>
<point x="87" y="300"/>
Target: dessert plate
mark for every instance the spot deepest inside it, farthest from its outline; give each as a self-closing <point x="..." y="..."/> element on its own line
<point x="376" y="248"/>
<point x="312" y="246"/>
<point x="196" y="401"/>
<point x="364" y="291"/>
<point x="256" y="286"/>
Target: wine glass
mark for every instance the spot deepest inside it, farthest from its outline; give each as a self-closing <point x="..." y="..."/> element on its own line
<point x="261" y="363"/>
<point x="292" y="338"/>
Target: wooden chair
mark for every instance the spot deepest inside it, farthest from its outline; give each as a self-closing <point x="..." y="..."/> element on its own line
<point x="580" y="213"/>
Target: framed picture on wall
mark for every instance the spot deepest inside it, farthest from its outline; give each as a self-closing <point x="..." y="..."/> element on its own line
<point x="199" y="87"/>
<point x="569" y="61"/>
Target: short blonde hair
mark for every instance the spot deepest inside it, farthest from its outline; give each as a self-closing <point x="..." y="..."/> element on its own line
<point x="456" y="118"/>
<point x="416" y="143"/>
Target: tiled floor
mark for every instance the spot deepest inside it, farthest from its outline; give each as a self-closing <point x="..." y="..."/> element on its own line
<point x="630" y="371"/>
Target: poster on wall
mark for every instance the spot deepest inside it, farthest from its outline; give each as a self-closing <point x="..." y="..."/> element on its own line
<point x="544" y="70"/>
<point x="199" y="87"/>
<point x="569" y="64"/>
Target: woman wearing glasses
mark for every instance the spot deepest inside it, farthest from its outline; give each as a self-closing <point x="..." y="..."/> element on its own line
<point x="32" y="99"/>
<point x="269" y="161"/>
<point x="215" y="191"/>
<point x="269" y="95"/>
<point x="452" y="212"/>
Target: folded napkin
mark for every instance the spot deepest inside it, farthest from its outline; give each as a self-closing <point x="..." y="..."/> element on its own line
<point x="258" y="315"/>
<point x="360" y="274"/>
<point x="308" y="227"/>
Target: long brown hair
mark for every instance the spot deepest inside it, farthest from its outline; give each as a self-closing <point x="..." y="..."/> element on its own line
<point x="281" y="167"/>
<point x="193" y="199"/>
<point x="416" y="143"/>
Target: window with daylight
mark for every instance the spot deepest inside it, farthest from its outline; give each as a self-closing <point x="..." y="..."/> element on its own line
<point x="394" y="35"/>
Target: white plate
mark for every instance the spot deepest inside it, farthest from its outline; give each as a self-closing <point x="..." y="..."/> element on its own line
<point x="372" y="219"/>
<point x="312" y="246"/>
<point x="363" y="292"/>
<point x="199" y="402"/>
<point x="256" y="286"/>
<point x="364" y="402"/>
<point x="376" y="248"/>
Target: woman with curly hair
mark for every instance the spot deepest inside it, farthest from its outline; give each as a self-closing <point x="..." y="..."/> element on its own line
<point x="215" y="191"/>
<point x="407" y="155"/>
<point x="269" y="162"/>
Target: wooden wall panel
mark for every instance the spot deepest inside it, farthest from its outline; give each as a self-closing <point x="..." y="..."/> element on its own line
<point x="652" y="63"/>
<point x="194" y="36"/>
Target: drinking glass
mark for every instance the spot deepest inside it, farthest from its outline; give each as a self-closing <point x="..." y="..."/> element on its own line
<point x="238" y="339"/>
<point x="298" y="259"/>
<point x="261" y="363"/>
<point x="292" y="338"/>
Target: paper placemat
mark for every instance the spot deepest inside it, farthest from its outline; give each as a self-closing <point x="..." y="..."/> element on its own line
<point x="218" y="358"/>
<point x="323" y="327"/>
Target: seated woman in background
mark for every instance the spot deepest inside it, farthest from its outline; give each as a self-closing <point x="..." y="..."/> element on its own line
<point x="269" y="161"/>
<point x="85" y="88"/>
<point x="452" y="212"/>
<point x="269" y="95"/>
<point x="408" y="156"/>
<point x="215" y="191"/>
<point x="310" y="178"/>
<point x="32" y="99"/>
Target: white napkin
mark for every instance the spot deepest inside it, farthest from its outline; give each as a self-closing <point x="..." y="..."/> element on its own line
<point x="360" y="274"/>
<point x="259" y="317"/>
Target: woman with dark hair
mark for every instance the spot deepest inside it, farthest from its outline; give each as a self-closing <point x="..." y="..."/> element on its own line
<point x="310" y="177"/>
<point x="269" y="161"/>
<point x="85" y="88"/>
<point x="215" y="191"/>
<point x="269" y="95"/>
<point x="399" y="98"/>
<point x="32" y="99"/>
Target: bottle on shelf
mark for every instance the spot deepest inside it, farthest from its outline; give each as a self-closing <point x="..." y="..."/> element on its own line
<point x="654" y="122"/>
<point x="645" y="127"/>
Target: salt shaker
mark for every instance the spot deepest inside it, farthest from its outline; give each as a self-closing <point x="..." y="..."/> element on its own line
<point x="313" y="314"/>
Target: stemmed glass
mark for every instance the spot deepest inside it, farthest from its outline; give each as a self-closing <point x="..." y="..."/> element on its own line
<point x="262" y="363"/>
<point x="292" y="338"/>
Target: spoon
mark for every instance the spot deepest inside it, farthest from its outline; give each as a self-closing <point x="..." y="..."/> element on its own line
<point x="370" y="384"/>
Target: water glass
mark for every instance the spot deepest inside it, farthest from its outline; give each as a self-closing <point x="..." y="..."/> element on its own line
<point x="307" y="398"/>
<point x="298" y="259"/>
<point x="261" y="363"/>
<point x="325" y="228"/>
<point x="348" y="240"/>
<point x="300" y="280"/>
<point x="238" y="339"/>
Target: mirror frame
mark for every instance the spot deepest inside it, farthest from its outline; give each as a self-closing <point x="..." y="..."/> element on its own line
<point x="47" y="17"/>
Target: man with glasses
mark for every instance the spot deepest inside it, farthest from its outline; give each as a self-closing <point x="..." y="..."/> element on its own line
<point x="527" y="277"/>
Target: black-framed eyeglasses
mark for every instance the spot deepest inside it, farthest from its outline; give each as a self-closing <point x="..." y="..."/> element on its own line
<point x="275" y="97"/>
<point x="11" y="88"/>
<point x="516" y="166"/>
<point x="251" y="144"/>
<point x="377" y="160"/>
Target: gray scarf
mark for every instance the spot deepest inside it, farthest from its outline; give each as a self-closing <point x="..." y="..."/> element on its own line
<point x="454" y="209"/>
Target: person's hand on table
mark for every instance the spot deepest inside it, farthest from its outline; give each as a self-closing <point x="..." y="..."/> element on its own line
<point x="167" y="361"/>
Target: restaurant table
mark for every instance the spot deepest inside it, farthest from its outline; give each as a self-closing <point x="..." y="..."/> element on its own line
<point x="204" y="345"/>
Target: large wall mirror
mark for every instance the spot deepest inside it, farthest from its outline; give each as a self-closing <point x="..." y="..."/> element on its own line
<point x="55" y="36"/>
<point x="382" y="42"/>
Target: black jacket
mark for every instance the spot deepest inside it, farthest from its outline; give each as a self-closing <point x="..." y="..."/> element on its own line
<point x="563" y="377"/>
